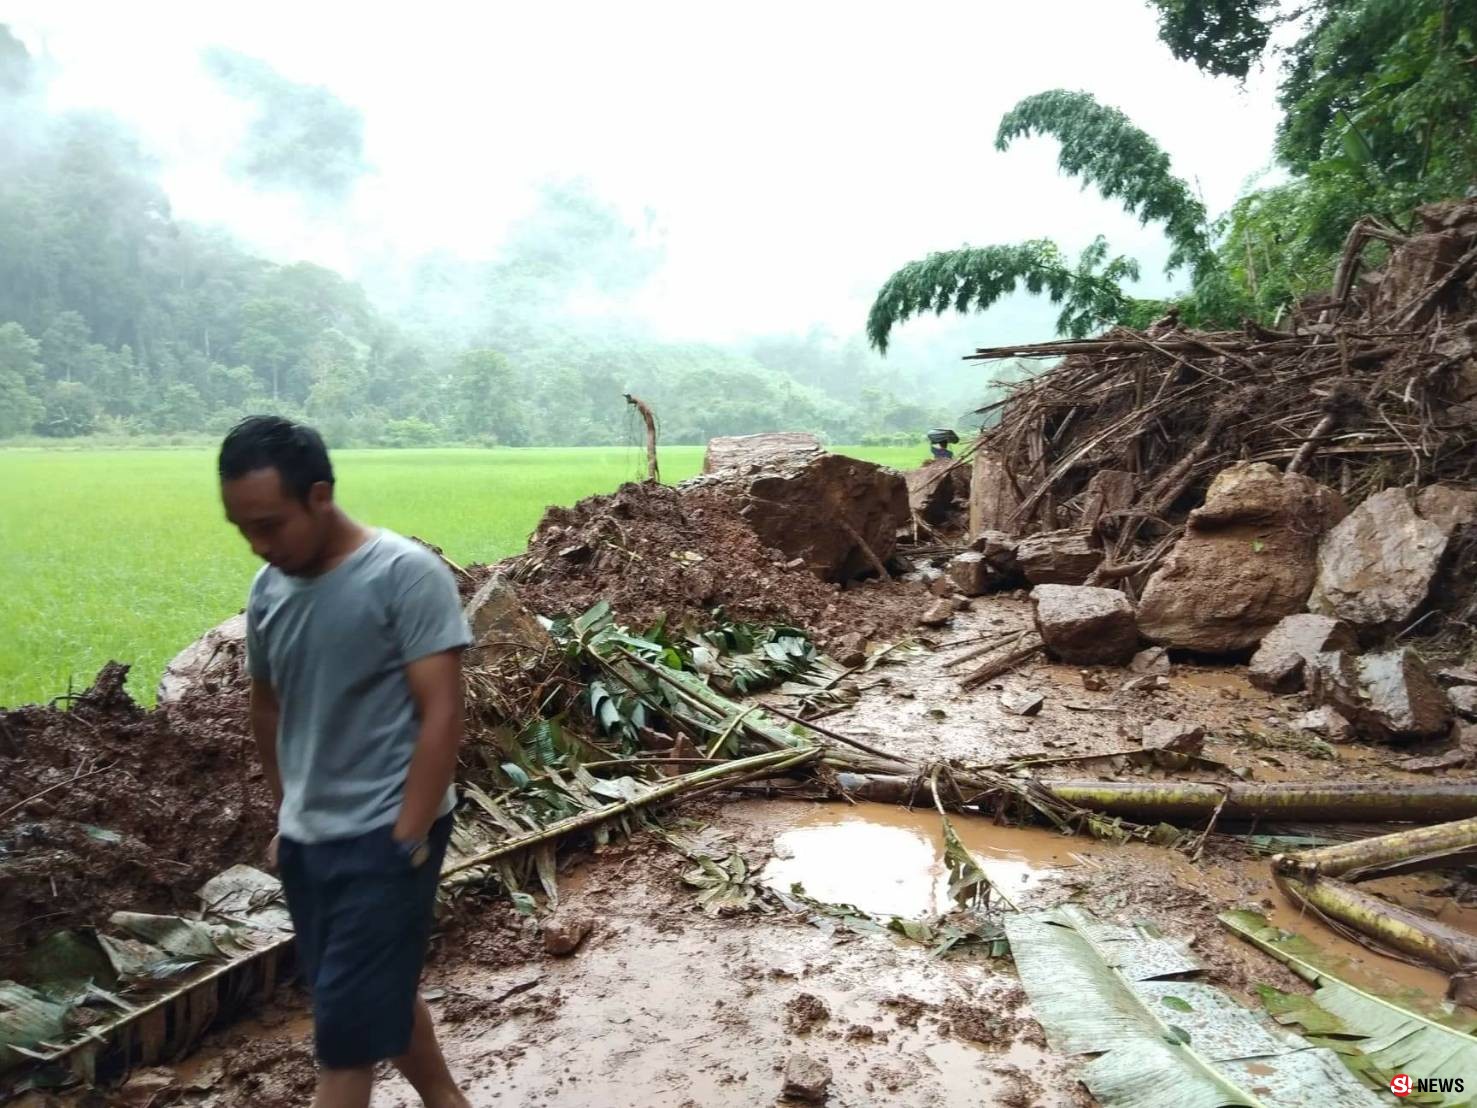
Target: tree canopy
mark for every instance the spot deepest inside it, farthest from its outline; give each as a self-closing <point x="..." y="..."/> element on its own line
<point x="1378" y="100"/>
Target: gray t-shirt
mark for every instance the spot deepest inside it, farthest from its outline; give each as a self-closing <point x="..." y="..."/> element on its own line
<point x="334" y="648"/>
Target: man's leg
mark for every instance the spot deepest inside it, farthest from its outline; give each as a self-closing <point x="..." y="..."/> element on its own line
<point x="344" y="1088"/>
<point x="424" y="1066"/>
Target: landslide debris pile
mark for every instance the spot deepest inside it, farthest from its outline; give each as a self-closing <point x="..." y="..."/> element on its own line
<point x="106" y="805"/>
<point x="1370" y="387"/>
<point x="774" y="540"/>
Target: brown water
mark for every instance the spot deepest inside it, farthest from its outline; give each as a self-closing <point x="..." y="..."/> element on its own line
<point x="888" y="860"/>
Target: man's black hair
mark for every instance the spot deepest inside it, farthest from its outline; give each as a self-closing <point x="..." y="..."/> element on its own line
<point x="294" y="450"/>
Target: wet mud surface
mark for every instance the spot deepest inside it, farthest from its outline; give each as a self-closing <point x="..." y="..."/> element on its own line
<point x="665" y="1005"/>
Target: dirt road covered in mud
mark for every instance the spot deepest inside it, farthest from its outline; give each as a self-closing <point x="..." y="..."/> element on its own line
<point x="1129" y="760"/>
<point x="663" y="1004"/>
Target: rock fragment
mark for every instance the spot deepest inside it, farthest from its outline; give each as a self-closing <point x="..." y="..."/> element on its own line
<point x="806" y="1079"/>
<point x="850" y="649"/>
<point x="1376" y="567"/>
<point x="933" y="488"/>
<point x="971" y="573"/>
<point x="215" y="658"/>
<point x="564" y="934"/>
<point x="1327" y="723"/>
<point x="1248" y="558"/>
<point x="1085" y="626"/>
<point x="1022" y="703"/>
<point x="830" y="510"/>
<point x="1058" y="557"/>
<point x="1388" y="696"/>
<point x="937" y="614"/>
<point x="993" y="499"/>
<point x="1174" y="735"/>
<point x="1278" y="664"/>
<point x="1153" y="660"/>
<point x="501" y="625"/>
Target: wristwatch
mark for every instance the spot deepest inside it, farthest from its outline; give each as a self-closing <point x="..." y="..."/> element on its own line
<point x="416" y="851"/>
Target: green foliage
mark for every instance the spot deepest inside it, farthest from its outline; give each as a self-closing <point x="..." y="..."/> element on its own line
<point x="971" y="279"/>
<point x="20" y="376"/>
<point x="1103" y="147"/>
<point x="1224" y="37"/>
<point x="1379" y="102"/>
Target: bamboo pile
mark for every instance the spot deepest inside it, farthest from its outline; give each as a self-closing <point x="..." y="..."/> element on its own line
<point x="1372" y="387"/>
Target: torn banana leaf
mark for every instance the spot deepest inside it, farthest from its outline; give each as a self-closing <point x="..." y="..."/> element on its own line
<point x="1403" y="1031"/>
<point x="246" y="895"/>
<point x="65" y="964"/>
<point x="27" y="1021"/>
<point x="183" y="938"/>
<point x="725" y="887"/>
<point x="1102" y="989"/>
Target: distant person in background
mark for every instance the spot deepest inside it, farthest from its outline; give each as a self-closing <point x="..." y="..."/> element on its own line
<point x="939" y="440"/>
<point x="353" y="643"/>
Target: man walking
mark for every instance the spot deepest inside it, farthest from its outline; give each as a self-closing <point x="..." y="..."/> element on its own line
<point x="353" y="644"/>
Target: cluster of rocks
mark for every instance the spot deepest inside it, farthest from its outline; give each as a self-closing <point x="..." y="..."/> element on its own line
<point x="1272" y="566"/>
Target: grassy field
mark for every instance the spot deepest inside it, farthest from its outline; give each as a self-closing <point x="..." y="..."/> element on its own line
<point x="124" y="554"/>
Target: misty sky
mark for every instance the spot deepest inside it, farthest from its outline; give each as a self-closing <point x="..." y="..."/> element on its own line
<point x="789" y="156"/>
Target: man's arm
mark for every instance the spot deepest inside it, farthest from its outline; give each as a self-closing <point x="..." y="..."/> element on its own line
<point x="436" y="686"/>
<point x="265" y="712"/>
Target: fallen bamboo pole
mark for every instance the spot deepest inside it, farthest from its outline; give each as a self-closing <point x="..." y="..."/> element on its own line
<point x="1382" y="853"/>
<point x="770" y="761"/>
<point x="1391" y="925"/>
<point x="1170" y="800"/>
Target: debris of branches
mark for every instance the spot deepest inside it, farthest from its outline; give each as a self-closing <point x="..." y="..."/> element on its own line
<point x="1378" y="388"/>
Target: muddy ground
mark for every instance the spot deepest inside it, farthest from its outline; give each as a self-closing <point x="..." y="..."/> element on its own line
<point x="664" y="1005"/>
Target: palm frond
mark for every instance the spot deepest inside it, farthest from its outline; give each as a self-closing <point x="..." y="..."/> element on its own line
<point x="1102" y="146"/>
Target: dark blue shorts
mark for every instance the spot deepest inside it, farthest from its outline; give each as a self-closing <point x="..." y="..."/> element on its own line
<point x="363" y="915"/>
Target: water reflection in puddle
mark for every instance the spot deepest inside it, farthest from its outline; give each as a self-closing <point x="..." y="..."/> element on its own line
<point x="889" y="861"/>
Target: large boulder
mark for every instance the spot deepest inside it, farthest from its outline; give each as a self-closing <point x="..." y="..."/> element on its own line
<point x="746" y="452"/>
<point x="934" y="487"/>
<point x="993" y="495"/>
<point x="1247" y="559"/>
<point x="825" y="509"/>
<point x="1058" y="557"/>
<point x="1385" y="696"/>
<point x="1085" y="626"/>
<point x="217" y="658"/>
<point x="1279" y="662"/>
<point x="1376" y="567"/>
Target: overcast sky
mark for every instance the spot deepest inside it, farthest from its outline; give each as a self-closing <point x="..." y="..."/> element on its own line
<point x="792" y="154"/>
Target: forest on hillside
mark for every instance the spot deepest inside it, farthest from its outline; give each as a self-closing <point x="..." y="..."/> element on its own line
<point x="118" y="319"/>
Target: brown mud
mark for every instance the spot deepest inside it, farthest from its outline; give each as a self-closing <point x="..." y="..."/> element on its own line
<point x="664" y="1005"/>
<point x="109" y="806"/>
<point x="657" y="553"/>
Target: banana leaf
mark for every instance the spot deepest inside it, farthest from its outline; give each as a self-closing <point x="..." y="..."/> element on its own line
<point x="1106" y="990"/>
<point x="27" y="1020"/>
<point x="726" y="886"/>
<point x="1400" y="1032"/>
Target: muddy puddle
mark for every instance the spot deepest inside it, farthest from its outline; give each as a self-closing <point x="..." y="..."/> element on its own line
<point x="889" y="860"/>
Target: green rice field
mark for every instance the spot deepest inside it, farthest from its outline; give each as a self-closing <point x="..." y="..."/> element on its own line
<point x="125" y="554"/>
